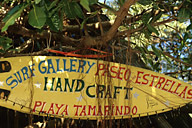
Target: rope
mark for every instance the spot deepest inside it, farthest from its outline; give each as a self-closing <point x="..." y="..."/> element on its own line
<point x="72" y="53"/>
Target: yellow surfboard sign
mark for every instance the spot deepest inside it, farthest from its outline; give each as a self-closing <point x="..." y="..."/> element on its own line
<point x="84" y="88"/>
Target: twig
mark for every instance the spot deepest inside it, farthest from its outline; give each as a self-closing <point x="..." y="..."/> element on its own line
<point x="176" y="72"/>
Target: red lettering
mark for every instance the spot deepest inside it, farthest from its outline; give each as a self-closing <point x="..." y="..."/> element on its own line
<point x="127" y="74"/>
<point x="138" y="77"/>
<point x="153" y="80"/>
<point x="171" y="87"/>
<point x="112" y="109"/>
<point x="177" y="88"/>
<point x="144" y="77"/>
<point x="113" y="71"/>
<point x="134" y="110"/>
<point x="117" y="110"/>
<point x="183" y="92"/>
<point x="58" y="108"/>
<point x="106" y="71"/>
<point x="37" y="104"/>
<point x="189" y="93"/>
<point x="127" y="110"/>
<point x="166" y="84"/>
<point x="44" y="103"/>
<point x="65" y="110"/>
<point x="120" y="73"/>
<point x="92" y="108"/>
<point x="160" y="82"/>
<point x="83" y="111"/>
<point x="99" y="113"/>
<point x="77" y="108"/>
<point x="51" y="109"/>
<point x="100" y="67"/>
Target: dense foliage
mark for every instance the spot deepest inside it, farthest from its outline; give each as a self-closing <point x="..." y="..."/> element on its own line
<point x="156" y="33"/>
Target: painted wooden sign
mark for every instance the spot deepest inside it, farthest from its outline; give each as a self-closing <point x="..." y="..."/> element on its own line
<point x="84" y="88"/>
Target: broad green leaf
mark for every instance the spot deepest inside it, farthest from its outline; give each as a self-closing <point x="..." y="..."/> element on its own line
<point x="54" y="22"/>
<point x="91" y="2"/>
<point x="152" y="29"/>
<point x="37" y="17"/>
<point x="37" y="1"/>
<point x="68" y="8"/>
<point x="52" y="5"/>
<point x="184" y="15"/>
<point x="13" y="15"/>
<point x="55" y="10"/>
<point x="78" y="10"/>
<point x="85" y="4"/>
<point x="11" y="12"/>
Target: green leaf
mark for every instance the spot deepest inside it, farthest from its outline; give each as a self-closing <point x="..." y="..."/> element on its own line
<point x="37" y="17"/>
<point x="158" y="16"/>
<point x="91" y="2"/>
<point x="107" y="7"/>
<point x="13" y="15"/>
<point x="150" y="61"/>
<point x="84" y="21"/>
<point x="184" y="15"/>
<point x="165" y="56"/>
<point x="55" y="10"/>
<point x="152" y="29"/>
<point x="37" y="1"/>
<point x="68" y="9"/>
<point x="78" y="10"/>
<point x="2" y="51"/>
<point x="143" y="54"/>
<point x="156" y="51"/>
<point x="145" y="18"/>
<point x="144" y="2"/>
<point x="85" y="4"/>
<point x="5" y="43"/>
<point x="156" y="65"/>
<point x="53" y="4"/>
<point x="54" y="22"/>
<point x="121" y="2"/>
<point x="5" y="39"/>
<point x="147" y="33"/>
<point x="11" y="12"/>
<point x="189" y="27"/>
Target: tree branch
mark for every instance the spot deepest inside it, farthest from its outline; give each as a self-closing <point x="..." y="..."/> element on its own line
<point x="123" y="11"/>
<point x="176" y="72"/>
